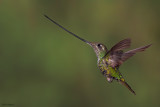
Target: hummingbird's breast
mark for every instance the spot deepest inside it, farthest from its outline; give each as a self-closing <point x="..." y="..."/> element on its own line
<point x="107" y="70"/>
<point x="103" y="65"/>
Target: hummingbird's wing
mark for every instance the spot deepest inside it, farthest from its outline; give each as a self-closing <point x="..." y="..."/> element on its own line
<point x="116" y="52"/>
<point x="118" y="57"/>
<point x="121" y="45"/>
<point x="130" y="53"/>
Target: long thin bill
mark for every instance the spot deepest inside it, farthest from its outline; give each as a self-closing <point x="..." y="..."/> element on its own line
<point x="67" y="30"/>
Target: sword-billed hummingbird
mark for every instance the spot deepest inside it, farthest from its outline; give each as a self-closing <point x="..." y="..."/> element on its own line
<point x="110" y="60"/>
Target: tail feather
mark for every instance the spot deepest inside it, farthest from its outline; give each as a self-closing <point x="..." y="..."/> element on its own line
<point x="127" y="86"/>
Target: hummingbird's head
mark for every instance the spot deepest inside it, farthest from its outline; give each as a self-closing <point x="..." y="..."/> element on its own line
<point x="99" y="49"/>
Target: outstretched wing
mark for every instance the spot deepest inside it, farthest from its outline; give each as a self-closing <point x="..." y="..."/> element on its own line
<point x="130" y="53"/>
<point x="117" y="56"/>
<point x="121" y="45"/>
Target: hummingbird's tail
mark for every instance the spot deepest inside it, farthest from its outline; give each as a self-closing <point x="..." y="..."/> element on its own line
<point x="122" y="81"/>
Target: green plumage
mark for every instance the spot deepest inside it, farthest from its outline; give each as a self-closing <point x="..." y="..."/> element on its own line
<point x="107" y="70"/>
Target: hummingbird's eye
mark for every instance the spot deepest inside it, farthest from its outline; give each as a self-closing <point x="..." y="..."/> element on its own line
<point x="99" y="45"/>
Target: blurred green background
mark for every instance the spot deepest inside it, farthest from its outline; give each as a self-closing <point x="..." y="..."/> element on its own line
<point x="43" y="66"/>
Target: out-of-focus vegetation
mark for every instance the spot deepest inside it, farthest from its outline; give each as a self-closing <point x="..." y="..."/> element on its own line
<point x="43" y="66"/>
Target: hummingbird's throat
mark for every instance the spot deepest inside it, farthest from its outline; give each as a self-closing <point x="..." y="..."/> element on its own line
<point x="101" y="54"/>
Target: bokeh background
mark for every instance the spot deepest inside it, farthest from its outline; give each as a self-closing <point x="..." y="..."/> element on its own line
<point x="43" y="66"/>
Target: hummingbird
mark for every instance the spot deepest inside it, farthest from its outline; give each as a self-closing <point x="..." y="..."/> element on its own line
<point x="109" y="61"/>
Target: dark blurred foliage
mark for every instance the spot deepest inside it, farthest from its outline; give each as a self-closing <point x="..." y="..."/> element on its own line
<point x="43" y="66"/>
